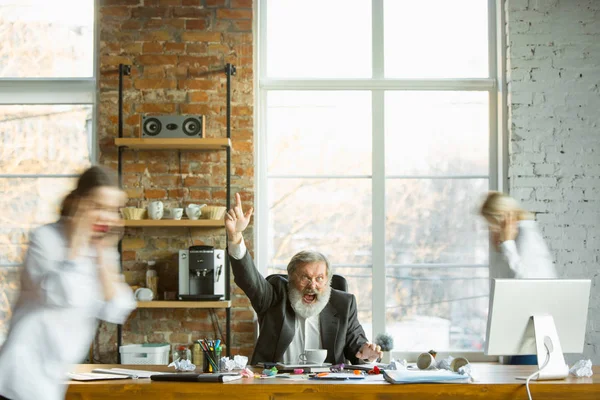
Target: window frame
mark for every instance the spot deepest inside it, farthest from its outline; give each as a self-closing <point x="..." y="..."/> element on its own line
<point x="57" y="91"/>
<point x="494" y="84"/>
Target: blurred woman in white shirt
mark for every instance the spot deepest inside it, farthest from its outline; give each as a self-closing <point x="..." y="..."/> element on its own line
<point x="70" y="280"/>
<point x="515" y="234"/>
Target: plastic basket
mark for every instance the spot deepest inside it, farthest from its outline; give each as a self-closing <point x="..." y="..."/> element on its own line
<point x="148" y="355"/>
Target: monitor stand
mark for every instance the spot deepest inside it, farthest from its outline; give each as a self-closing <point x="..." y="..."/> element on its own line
<point x="551" y="361"/>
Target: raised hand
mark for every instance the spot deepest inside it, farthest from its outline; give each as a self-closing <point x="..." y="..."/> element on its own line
<point x="370" y="352"/>
<point x="508" y="227"/>
<point x="80" y="226"/>
<point x="236" y="220"/>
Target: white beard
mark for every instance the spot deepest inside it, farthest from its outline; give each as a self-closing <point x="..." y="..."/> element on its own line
<point x="308" y="310"/>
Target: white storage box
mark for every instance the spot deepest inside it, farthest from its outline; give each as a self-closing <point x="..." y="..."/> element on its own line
<point x="148" y="355"/>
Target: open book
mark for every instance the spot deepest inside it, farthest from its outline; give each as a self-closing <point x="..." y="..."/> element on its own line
<point x="98" y="374"/>
<point x="131" y="373"/>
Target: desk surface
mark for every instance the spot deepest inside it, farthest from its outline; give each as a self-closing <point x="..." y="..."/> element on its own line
<point x="494" y="381"/>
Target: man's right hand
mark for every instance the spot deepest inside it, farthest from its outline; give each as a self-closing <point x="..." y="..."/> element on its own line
<point x="236" y="220"/>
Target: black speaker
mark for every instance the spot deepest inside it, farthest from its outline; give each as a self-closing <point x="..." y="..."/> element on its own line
<point x="173" y="126"/>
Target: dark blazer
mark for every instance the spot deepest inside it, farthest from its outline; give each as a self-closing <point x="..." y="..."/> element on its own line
<point x="341" y="334"/>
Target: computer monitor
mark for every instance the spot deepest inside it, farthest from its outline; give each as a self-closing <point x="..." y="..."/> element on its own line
<point x="538" y="316"/>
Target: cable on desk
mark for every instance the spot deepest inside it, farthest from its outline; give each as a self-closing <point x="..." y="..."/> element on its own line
<point x="538" y="371"/>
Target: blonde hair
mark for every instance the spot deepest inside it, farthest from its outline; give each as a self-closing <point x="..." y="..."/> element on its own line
<point x="498" y="204"/>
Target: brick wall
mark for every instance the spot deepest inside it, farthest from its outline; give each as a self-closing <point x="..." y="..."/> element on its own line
<point x="554" y="102"/>
<point x="177" y="50"/>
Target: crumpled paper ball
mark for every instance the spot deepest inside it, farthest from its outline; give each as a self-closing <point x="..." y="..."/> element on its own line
<point x="183" y="365"/>
<point x="228" y="364"/>
<point x="446" y="363"/>
<point x="467" y="371"/>
<point x="582" y="368"/>
<point x="397" y="365"/>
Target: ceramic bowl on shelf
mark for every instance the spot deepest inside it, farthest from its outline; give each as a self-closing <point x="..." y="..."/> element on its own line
<point x="213" y="212"/>
<point x="133" y="213"/>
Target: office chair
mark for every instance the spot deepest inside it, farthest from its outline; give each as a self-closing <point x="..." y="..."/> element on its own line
<point x="338" y="282"/>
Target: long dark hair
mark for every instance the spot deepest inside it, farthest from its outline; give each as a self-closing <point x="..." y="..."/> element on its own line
<point x="92" y="178"/>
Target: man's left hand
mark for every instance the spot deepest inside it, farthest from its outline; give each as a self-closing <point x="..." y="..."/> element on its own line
<point x="370" y="352"/>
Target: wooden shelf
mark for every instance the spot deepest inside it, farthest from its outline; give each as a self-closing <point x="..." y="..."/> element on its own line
<point x="184" y="304"/>
<point x="174" y="144"/>
<point x="198" y="223"/>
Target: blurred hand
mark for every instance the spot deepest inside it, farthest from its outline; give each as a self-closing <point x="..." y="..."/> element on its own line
<point x="370" y="352"/>
<point x="105" y="243"/>
<point x="111" y="238"/>
<point x="236" y="220"/>
<point x="508" y="228"/>
<point x="80" y="226"/>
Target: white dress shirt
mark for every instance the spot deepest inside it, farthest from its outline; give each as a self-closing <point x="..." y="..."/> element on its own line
<point x="55" y="318"/>
<point x="306" y="336"/>
<point x="526" y="257"/>
<point x="307" y="332"/>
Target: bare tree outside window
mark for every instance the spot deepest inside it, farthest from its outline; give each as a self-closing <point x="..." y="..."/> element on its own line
<point x="42" y="146"/>
<point x="42" y="40"/>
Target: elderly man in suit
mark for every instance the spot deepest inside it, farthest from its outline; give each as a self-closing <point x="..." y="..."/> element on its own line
<point x="302" y="313"/>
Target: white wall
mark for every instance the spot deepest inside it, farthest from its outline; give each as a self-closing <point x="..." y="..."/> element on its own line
<point x="554" y="121"/>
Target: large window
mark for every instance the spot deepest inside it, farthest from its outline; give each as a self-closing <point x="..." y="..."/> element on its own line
<point x="376" y="143"/>
<point x="47" y="98"/>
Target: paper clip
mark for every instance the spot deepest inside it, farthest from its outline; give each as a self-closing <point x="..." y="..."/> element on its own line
<point x="337" y="368"/>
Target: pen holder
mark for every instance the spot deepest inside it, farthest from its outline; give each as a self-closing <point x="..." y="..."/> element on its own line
<point x="207" y="367"/>
<point x="218" y="358"/>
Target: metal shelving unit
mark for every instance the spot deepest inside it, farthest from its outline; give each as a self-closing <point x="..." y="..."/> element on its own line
<point x="202" y="144"/>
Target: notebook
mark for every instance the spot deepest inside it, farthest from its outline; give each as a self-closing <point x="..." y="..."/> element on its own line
<point x="366" y="367"/>
<point x="418" y="376"/>
<point x="307" y="368"/>
<point x="336" y="376"/>
<point x="194" y="377"/>
<point x="88" y="376"/>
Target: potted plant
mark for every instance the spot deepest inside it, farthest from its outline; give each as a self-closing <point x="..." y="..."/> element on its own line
<point x="386" y="342"/>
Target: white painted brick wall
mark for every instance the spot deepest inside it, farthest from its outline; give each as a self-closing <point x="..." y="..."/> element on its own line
<point x="553" y="62"/>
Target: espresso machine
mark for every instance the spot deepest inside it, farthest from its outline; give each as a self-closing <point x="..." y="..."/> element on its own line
<point x="201" y="273"/>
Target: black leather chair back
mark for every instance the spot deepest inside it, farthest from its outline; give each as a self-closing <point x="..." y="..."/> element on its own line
<point x="338" y="282"/>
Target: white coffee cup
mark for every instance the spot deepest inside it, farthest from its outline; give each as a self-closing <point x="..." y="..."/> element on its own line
<point x="155" y="210"/>
<point x="144" y="294"/>
<point x="313" y="356"/>
<point x="193" y="211"/>
<point x="176" y="213"/>
<point x="426" y="361"/>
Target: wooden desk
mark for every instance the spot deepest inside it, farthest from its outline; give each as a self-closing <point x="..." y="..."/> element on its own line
<point x="494" y="382"/>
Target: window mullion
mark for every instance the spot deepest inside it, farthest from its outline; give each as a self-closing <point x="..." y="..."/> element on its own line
<point x="378" y="172"/>
<point x="377" y="39"/>
<point x="48" y="91"/>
